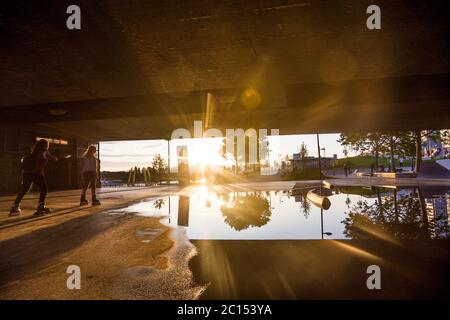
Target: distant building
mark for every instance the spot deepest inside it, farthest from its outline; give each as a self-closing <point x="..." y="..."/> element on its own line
<point x="311" y="162"/>
<point x="435" y="149"/>
<point x="438" y="209"/>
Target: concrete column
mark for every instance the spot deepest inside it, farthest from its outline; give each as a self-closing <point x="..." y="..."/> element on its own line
<point x="99" y="182"/>
<point x="74" y="183"/>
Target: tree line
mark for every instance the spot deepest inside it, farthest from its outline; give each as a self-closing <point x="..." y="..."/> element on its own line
<point x="400" y="143"/>
<point x="155" y="173"/>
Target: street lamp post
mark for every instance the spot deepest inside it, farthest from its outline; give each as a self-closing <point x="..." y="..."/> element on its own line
<point x="321" y="225"/>
<point x="318" y="150"/>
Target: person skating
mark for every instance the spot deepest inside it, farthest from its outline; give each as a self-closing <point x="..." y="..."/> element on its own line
<point x="90" y="169"/>
<point x="33" y="167"/>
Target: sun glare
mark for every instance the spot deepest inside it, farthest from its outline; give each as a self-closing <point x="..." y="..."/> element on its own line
<point x="204" y="153"/>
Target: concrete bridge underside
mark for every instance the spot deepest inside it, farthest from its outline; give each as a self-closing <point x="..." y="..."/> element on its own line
<point x="139" y="70"/>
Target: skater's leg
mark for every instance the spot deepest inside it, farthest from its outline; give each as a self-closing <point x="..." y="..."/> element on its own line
<point x="83" y="200"/>
<point x="93" y="179"/>
<point x="93" y="186"/>
<point x="86" y="182"/>
<point x="41" y="182"/>
<point x="26" y="185"/>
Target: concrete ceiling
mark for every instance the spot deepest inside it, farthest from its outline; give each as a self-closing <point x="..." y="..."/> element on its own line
<point x="139" y="69"/>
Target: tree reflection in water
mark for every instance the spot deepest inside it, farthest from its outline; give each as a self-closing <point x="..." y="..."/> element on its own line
<point x="158" y="204"/>
<point x="305" y="205"/>
<point x="248" y="210"/>
<point x="400" y="216"/>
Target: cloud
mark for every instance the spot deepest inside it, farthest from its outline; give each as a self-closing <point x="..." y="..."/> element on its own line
<point x="122" y="155"/>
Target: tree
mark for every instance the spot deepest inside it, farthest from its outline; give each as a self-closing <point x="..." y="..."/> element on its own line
<point x="303" y="151"/>
<point x="305" y="205"/>
<point x="393" y="215"/>
<point x="421" y="136"/>
<point x="345" y="152"/>
<point x="391" y="151"/>
<point x="158" y="168"/>
<point x="133" y="177"/>
<point x="158" y="204"/>
<point x="130" y="177"/>
<point x="249" y="210"/>
<point x="418" y="150"/>
<point x="400" y="143"/>
<point x="373" y="143"/>
<point x="406" y="144"/>
<point x="146" y="176"/>
<point x="445" y="136"/>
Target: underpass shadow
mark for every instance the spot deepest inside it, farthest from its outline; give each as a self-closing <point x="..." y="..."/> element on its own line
<point x="28" y="218"/>
<point x="38" y="249"/>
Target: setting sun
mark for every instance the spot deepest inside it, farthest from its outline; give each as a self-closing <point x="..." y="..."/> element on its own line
<point x="202" y="153"/>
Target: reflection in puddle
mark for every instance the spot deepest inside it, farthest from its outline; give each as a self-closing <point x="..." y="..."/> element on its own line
<point x="355" y="213"/>
<point x="278" y="266"/>
<point x="246" y="211"/>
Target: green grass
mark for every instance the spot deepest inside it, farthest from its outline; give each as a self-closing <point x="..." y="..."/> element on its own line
<point x="366" y="161"/>
<point x="305" y="174"/>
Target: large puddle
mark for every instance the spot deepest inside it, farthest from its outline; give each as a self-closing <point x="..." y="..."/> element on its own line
<point x="355" y="213"/>
<point x="268" y="245"/>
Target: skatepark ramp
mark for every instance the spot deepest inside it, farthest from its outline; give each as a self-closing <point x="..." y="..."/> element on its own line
<point x="433" y="170"/>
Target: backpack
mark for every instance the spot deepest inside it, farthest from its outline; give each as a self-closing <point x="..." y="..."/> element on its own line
<point x="29" y="163"/>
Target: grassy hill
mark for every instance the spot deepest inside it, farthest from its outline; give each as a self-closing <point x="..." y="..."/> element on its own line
<point x="366" y="161"/>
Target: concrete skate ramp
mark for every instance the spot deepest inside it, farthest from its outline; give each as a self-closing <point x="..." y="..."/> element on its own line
<point x="433" y="170"/>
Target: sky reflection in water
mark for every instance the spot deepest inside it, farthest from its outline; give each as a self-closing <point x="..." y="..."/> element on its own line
<point x="355" y="213"/>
